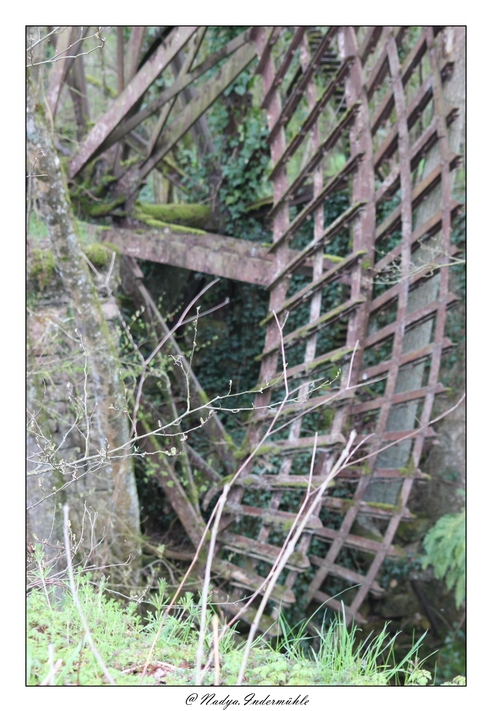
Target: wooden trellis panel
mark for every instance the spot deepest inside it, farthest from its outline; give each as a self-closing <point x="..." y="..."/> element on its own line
<point x="392" y="117"/>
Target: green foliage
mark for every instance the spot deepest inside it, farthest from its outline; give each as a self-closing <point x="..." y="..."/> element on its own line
<point x="123" y="640"/>
<point x="105" y="208"/>
<point x="398" y="568"/>
<point x="99" y="254"/>
<point x="444" y="545"/>
<point x="451" y="663"/>
<point x="115" y="631"/>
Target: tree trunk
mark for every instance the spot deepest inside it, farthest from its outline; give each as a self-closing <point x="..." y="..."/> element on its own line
<point x="108" y="430"/>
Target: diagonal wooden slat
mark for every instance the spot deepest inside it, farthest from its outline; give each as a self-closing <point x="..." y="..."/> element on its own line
<point x="73" y="36"/>
<point x="183" y="82"/>
<point x="197" y="106"/>
<point x="128" y="98"/>
<point x="288" y="56"/>
<point x="298" y="92"/>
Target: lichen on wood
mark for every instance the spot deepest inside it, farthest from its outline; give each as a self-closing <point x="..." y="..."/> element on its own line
<point x="108" y="427"/>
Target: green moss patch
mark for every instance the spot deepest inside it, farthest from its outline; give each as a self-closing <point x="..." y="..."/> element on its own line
<point x="100" y="253"/>
<point x="190" y="215"/>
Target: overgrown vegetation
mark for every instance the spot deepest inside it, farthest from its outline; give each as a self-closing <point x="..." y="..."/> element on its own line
<point x="444" y="546"/>
<point x="58" y="653"/>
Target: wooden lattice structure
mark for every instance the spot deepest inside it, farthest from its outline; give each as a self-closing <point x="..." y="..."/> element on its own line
<point x="375" y="71"/>
<point x="379" y="134"/>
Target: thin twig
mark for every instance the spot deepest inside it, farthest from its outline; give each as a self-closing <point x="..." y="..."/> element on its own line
<point x="48" y="680"/>
<point x="209" y="523"/>
<point x="158" y="348"/>
<point x="215" y="628"/>
<point x="31" y="46"/>
<point x="58" y="57"/>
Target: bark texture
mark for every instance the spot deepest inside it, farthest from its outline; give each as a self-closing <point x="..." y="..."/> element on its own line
<point x="109" y="431"/>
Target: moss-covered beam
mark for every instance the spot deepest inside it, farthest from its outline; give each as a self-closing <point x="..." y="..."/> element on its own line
<point x="191" y="215"/>
<point x="205" y="252"/>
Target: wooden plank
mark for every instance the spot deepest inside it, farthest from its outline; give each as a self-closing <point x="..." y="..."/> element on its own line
<point x="358" y="542"/>
<point x="133" y="49"/>
<point x="386" y="105"/>
<point x="61" y="68"/>
<point x="409" y="357"/>
<point x="209" y="253"/>
<point x="376" y="509"/>
<point x="289" y="445"/>
<point x="306" y="331"/>
<point x="411" y="319"/>
<point x="419" y="150"/>
<point x="369" y="42"/>
<point x="286" y="62"/>
<point x="346" y="574"/>
<point x="419" y="274"/>
<point x="265" y="55"/>
<point x="271" y="482"/>
<point x="251" y="581"/>
<point x="380" y="69"/>
<point x="356" y="473"/>
<point x="397" y="398"/>
<point x="198" y="105"/>
<point x="335" y="357"/>
<point x="424" y="231"/>
<point x="421" y="146"/>
<point x="273" y="516"/>
<point x="311" y="289"/>
<point x="152" y="107"/>
<point x="313" y="116"/>
<point x="330" y="232"/>
<point x="295" y="97"/>
<point x="414" y="110"/>
<point x="336" y="181"/>
<point x="420" y="191"/>
<point x="129" y="97"/>
<point x="395" y="436"/>
<point x="333" y="398"/>
<point x="263" y="551"/>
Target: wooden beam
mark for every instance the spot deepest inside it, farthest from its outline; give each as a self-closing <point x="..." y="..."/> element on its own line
<point x="130" y="96"/>
<point x="151" y="108"/>
<point x="205" y="252"/>
<point x="209" y="93"/>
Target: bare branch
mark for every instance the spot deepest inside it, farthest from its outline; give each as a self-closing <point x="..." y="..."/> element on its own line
<point x="62" y="55"/>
